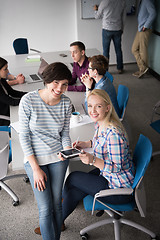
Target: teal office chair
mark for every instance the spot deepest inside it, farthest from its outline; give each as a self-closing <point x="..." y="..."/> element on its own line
<point x="20" y="46"/>
<point x="155" y="124"/>
<point x="142" y="155"/>
<point x="108" y="75"/>
<point x="5" y="158"/>
<point x="122" y="99"/>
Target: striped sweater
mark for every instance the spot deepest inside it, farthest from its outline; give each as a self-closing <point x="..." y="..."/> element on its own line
<point x="44" y="129"/>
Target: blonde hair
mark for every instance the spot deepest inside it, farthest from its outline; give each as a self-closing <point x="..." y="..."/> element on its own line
<point x="111" y="117"/>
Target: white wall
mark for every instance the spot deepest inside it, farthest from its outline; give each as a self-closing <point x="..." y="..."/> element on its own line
<point x="51" y="25"/>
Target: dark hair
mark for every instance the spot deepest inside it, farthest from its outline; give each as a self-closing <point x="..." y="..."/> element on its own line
<point x="56" y="71"/>
<point x="80" y="45"/>
<point x="100" y="63"/>
<point x="3" y="62"/>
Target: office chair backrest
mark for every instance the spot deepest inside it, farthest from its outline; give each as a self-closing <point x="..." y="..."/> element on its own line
<point x="141" y="157"/>
<point x="20" y="46"/>
<point x="122" y="99"/>
<point x="4" y="153"/>
<point x="108" y="75"/>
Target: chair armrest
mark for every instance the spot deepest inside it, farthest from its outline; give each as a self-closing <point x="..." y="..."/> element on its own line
<point x="109" y="192"/>
<point x="117" y="191"/>
<point x="32" y="49"/>
<point x="4" y="117"/>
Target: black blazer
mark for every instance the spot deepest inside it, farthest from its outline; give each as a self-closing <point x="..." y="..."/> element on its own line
<point x="8" y="97"/>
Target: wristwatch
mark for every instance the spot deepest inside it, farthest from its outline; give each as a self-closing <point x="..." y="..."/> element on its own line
<point x="88" y="89"/>
<point x="94" y="160"/>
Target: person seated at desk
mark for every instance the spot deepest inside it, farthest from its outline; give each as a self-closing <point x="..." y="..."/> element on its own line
<point x="80" y="65"/>
<point x="97" y="79"/>
<point x="8" y="96"/>
<point x="13" y="80"/>
<point x="114" y="165"/>
<point x="44" y="118"/>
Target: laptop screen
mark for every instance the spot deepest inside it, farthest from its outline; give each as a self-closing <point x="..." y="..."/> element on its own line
<point x="42" y="66"/>
<point x="38" y="77"/>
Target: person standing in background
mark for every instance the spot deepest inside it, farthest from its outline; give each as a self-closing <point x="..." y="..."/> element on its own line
<point x="146" y="16"/>
<point x="113" y="13"/>
<point x="80" y="65"/>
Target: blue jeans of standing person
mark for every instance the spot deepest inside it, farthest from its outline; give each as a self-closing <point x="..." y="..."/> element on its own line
<point x="50" y="200"/>
<point x="116" y="36"/>
<point x="80" y="184"/>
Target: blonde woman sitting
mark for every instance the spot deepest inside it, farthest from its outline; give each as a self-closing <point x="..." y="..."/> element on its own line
<point x="114" y="166"/>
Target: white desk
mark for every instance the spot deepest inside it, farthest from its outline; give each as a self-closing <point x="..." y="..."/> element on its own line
<point x="17" y="64"/>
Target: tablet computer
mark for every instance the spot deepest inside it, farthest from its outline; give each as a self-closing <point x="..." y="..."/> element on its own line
<point x="70" y="153"/>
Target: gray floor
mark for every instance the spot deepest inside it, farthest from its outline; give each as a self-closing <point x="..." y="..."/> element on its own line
<point x="18" y="223"/>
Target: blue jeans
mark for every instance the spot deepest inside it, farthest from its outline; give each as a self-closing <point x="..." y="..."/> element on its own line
<point x="80" y="184"/>
<point x="116" y="36"/>
<point x="50" y="200"/>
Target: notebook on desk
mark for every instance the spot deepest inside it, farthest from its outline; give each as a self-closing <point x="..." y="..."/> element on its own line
<point x="37" y="77"/>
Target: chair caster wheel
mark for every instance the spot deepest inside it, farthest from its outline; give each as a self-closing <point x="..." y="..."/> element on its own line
<point x="15" y="203"/>
<point x="85" y="236"/>
<point x="26" y="179"/>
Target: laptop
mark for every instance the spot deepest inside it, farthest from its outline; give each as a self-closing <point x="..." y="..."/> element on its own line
<point x="38" y="77"/>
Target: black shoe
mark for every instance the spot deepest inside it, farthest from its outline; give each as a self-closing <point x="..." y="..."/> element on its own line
<point x="100" y="213"/>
